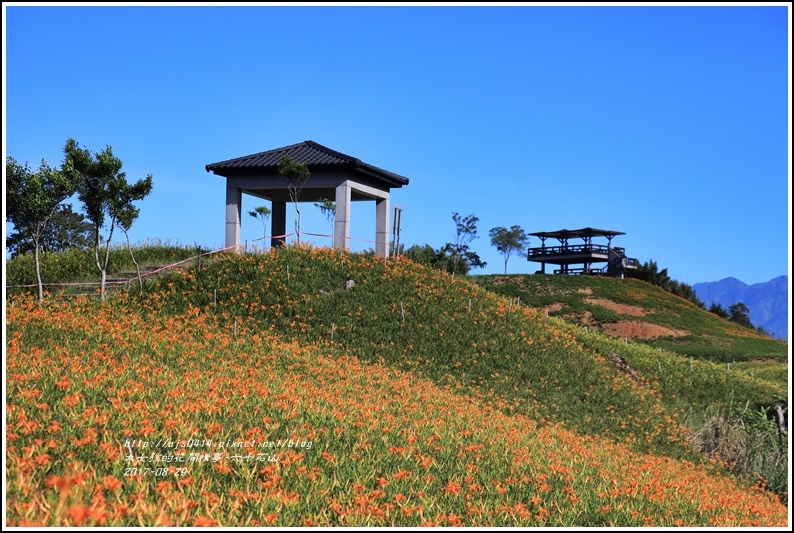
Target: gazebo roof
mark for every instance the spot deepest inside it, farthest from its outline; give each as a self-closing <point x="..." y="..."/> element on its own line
<point x="578" y="233"/>
<point x="316" y="156"/>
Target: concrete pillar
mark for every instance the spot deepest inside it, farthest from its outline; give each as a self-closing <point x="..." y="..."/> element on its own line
<point x="342" y="216"/>
<point x="382" y="226"/>
<point x="234" y="202"/>
<point x="278" y="223"/>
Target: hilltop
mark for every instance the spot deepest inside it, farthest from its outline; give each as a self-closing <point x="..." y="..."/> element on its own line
<point x="420" y="398"/>
<point x="640" y="312"/>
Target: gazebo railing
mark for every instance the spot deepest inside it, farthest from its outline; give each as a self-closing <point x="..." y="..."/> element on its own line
<point x="572" y="249"/>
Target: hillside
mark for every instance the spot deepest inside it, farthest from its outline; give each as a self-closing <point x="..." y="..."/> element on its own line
<point x="640" y="312"/>
<point x="416" y="398"/>
<point x="767" y="302"/>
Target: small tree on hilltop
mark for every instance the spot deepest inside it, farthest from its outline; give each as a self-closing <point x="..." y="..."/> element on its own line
<point x="262" y="214"/>
<point x="459" y="258"/>
<point x="740" y="314"/>
<point x="328" y="209"/>
<point x="126" y="214"/>
<point x="424" y="255"/>
<point x="107" y="197"/>
<point x="509" y="241"/>
<point x="718" y="310"/>
<point x="296" y="176"/>
<point x="35" y="199"/>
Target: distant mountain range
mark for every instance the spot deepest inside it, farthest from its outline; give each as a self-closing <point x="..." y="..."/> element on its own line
<point x="767" y="302"/>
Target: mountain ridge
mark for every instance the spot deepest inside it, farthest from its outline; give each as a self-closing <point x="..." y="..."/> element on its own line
<point x="767" y="301"/>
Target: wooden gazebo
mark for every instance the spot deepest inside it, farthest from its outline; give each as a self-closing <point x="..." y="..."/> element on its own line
<point x="585" y="253"/>
<point x="334" y="175"/>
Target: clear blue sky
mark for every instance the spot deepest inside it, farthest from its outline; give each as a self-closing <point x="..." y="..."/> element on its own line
<point x="669" y="123"/>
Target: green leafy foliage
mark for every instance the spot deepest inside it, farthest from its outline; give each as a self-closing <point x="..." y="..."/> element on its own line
<point x="65" y="229"/>
<point x="649" y="272"/>
<point x="36" y="198"/>
<point x="296" y="175"/>
<point x="457" y="257"/>
<point x="106" y="196"/>
<point x="262" y="213"/>
<point x="740" y="314"/>
<point x="508" y="241"/>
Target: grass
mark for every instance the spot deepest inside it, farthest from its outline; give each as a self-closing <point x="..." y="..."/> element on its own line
<point x="717" y="365"/>
<point x="708" y="336"/>
<point x="496" y="414"/>
<point x="79" y="267"/>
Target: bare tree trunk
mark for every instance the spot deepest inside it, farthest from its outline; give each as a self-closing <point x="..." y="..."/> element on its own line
<point x="298" y="222"/>
<point x="98" y="264"/>
<point x="38" y="268"/>
<point x="99" y="267"/>
<point x="103" y="268"/>
<point x="36" y="238"/>
<point x="138" y="268"/>
<point x="107" y="260"/>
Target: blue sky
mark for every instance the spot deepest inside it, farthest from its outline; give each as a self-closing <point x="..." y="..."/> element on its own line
<point x="669" y="123"/>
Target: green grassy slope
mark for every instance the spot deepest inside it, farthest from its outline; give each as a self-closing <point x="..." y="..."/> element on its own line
<point x="680" y="325"/>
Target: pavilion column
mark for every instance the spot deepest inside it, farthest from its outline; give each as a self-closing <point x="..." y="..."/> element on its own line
<point x="342" y="216"/>
<point x="278" y="223"/>
<point x="382" y="226"/>
<point x="234" y="202"/>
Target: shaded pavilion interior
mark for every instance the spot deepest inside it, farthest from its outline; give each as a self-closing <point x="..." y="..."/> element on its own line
<point x="333" y="175"/>
<point x="583" y="252"/>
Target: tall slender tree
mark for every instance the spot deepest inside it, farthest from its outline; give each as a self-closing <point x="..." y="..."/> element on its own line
<point x="127" y="214"/>
<point x="106" y="196"/>
<point x="262" y="213"/>
<point x="458" y="258"/>
<point x="296" y="176"/>
<point x="328" y="209"/>
<point x="36" y="197"/>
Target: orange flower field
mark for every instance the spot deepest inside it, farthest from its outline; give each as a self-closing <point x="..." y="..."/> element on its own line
<point x="180" y="407"/>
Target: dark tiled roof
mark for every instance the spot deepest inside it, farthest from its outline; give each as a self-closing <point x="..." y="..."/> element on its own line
<point x="315" y="155"/>
<point x="578" y="233"/>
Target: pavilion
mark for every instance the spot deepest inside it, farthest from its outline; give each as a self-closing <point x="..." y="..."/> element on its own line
<point x="334" y="175"/>
<point x="585" y="253"/>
